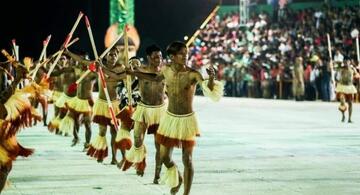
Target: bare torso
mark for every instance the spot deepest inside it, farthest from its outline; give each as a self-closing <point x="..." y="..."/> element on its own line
<point x="39" y="75"/>
<point x="180" y="87"/>
<point x="152" y="92"/>
<point x="86" y="86"/>
<point x="68" y="78"/>
<point x="110" y="84"/>
<point x="346" y="76"/>
<point x="57" y="83"/>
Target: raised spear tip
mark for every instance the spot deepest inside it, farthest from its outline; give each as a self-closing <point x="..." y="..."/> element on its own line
<point x="76" y="39"/>
<point x="67" y="39"/>
<point x="87" y="22"/>
<point x="46" y="41"/>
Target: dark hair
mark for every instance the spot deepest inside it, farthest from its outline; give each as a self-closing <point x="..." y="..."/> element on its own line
<point x="175" y="47"/>
<point x="134" y="57"/>
<point x="78" y="51"/>
<point x="114" y="49"/>
<point x="152" y="48"/>
<point x="82" y="53"/>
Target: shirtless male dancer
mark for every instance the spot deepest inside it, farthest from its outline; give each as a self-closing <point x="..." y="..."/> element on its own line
<point x="345" y="89"/>
<point x="113" y="73"/>
<point x="67" y="74"/>
<point x="80" y="107"/>
<point x="147" y="114"/>
<point x="179" y="127"/>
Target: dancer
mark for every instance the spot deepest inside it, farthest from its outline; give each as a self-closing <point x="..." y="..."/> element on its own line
<point x="345" y="89"/>
<point x="178" y="127"/>
<point x="114" y="73"/>
<point x="147" y="114"/>
<point x="15" y="112"/>
<point x="80" y="107"/>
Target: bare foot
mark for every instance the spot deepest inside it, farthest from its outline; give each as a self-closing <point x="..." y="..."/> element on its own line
<point x="156" y="180"/>
<point x="74" y="142"/>
<point x="343" y="118"/>
<point x="121" y="163"/>
<point x="114" y="162"/>
<point x="349" y="121"/>
<point x="7" y="184"/>
<point x="86" y="147"/>
<point x="139" y="173"/>
<point x="175" y="190"/>
<point x="100" y="160"/>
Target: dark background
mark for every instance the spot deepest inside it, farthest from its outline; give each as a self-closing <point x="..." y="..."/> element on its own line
<point x="158" y="21"/>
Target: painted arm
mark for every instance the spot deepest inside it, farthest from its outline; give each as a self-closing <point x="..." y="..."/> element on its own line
<point x="77" y="58"/>
<point x="63" y="70"/>
<point x="114" y="75"/>
<point x="147" y="76"/>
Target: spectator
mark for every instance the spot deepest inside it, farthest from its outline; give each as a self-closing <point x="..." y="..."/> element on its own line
<point x="266" y="41"/>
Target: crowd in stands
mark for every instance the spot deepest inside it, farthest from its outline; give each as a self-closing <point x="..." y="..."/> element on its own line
<point x="257" y="60"/>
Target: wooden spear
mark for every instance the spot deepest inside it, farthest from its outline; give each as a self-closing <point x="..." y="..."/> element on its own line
<point x="97" y="58"/>
<point x="101" y="75"/>
<point x="127" y="65"/>
<point x="67" y="40"/>
<point x="45" y="44"/>
<point x="33" y="73"/>
<point x="197" y="32"/>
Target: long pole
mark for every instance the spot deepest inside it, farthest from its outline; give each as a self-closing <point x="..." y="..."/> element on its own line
<point x="16" y="49"/>
<point x="330" y="57"/>
<point x="128" y="77"/>
<point x="45" y="44"/>
<point x="101" y="56"/>
<point x="197" y="32"/>
<point x="358" y="50"/>
<point x="101" y="75"/>
<point x="33" y="73"/>
<point x="67" y="40"/>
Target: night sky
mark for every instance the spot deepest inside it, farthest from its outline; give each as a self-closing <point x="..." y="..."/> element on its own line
<point x="158" y="21"/>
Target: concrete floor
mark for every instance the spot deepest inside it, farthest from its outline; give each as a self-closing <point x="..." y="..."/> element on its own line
<point x="247" y="146"/>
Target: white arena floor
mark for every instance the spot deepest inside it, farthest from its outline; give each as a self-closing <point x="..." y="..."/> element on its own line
<point x="247" y="146"/>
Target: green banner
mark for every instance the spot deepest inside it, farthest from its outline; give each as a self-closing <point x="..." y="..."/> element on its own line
<point x="122" y="12"/>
